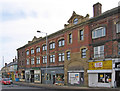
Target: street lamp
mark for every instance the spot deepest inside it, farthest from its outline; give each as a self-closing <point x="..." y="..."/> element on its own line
<point x="46" y="52"/>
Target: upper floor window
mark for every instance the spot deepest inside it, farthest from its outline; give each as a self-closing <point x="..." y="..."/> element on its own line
<point x="38" y="49"/>
<point x="118" y="27"/>
<point x="32" y="61"/>
<point x="75" y="21"/>
<point x="68" y="55"/>
<point x="70" y="38"/>
<point x="28" y="62"/>
<point x="61" y="57"/>
<point x="52" y="58"/>
<point x="32" y="51"/>
<point x="44" y="47"/>
<point x="52" y="45"/>
<point x="83" y="53"/>
<point x="99" y="51"/>
<point x="27" y="52"/>
<point x="38" y="60"/>
<point x="99" y="32"/>
<point x="61" y="42"/>
<point x="81" y="35"/>
<point x="44" y="59"/>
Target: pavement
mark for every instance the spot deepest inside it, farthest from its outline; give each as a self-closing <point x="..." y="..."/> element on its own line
<point x="51" y="86"/>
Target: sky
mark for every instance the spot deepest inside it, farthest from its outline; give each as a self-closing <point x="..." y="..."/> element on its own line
<point x="20" y="19"/>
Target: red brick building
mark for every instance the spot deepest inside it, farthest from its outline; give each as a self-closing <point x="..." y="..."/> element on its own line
<point x="83" y="53"/>
<point x="104" y="48"/>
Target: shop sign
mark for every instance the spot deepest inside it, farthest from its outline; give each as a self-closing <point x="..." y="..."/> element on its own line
<point x="100" y="65"/>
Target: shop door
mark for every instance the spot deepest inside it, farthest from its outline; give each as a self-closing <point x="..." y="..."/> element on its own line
<point x="32" y="75"/>
<point x="53" y="79"/>
<point x="118" y="78"/>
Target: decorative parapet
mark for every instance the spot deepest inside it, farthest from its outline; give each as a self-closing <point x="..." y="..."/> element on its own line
<point x="76" y="19"/>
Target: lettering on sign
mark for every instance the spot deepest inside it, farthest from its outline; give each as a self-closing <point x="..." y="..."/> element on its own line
<point x="99" y="64"/>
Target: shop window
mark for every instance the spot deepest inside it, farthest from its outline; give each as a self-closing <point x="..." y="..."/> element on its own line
<point x="37" y="77"/>
<point x="48" y="76"/>
<point x="104" y="77"/>
<point x="59" y="77"/>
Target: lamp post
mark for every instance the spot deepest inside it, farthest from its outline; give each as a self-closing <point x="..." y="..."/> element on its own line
<point x="46" y="52"/>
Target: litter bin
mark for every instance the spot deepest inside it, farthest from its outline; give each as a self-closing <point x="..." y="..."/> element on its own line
<point x="16" y="79"/>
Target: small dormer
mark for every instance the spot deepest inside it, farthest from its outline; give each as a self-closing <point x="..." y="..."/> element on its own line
<point x="76" y="19"/>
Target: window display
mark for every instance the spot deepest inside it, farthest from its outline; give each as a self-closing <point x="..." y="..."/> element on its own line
<point x="59" y="77"/>
<point x="104" y="77"/>
<point x="37" y="77"/>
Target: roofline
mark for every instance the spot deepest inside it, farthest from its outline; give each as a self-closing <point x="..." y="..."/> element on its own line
<point x="108" y="13"/>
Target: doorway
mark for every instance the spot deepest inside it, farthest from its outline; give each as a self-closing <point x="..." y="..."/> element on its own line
<point x="32" y="76"/>
<point x="118" y="78"/>
<point x="53" y="79"/>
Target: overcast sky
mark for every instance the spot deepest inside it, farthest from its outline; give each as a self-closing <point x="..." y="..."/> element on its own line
<point x="20" y="19"/>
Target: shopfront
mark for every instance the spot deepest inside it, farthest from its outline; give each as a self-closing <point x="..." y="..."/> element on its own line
<point x="53" y="75"/>
<point x="76" y="77"/>
<point x="37" y="76"/>
<point x="100" y="74"/>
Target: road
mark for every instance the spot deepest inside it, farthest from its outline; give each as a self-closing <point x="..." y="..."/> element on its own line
<point x="14" y="87"/>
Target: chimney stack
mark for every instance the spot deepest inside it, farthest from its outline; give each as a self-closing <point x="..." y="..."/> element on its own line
<point x="97" y="9"/>
<point x="5" y="64"/>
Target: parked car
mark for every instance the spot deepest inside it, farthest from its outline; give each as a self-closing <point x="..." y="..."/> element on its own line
<point x="6" y="81"/>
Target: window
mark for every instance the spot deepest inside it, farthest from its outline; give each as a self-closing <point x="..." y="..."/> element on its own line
<point x="38" y="60"/>
<point x="68" y="55"/>
<point x="38" y="49"/>
<point x="81" y="35"/>
<point x="99" y="32"/>
<point x="52" y="58"/>
<point x="99" y="51"/>
<point x="70" y="38"/>
<point x="61" y="57"/>
<point x="48" y="76"/>
<point x="37" y="77"/>
<point x="44" y="59"/>
<point x="118" y="27"/>
<point x="118" y="48"/>
<point x="32" y="51"/>
<point x="83" y="53"/>
<point x="104" y="77"/>
<point x="61" y="42"/>
<point x="32" y="61"/>
<point x="27" y="52"/>
<point x="44" y="47"/>
<point x="27" y="61"/>
<point x="52" y="45"/>
<point x="75" y="21"/>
